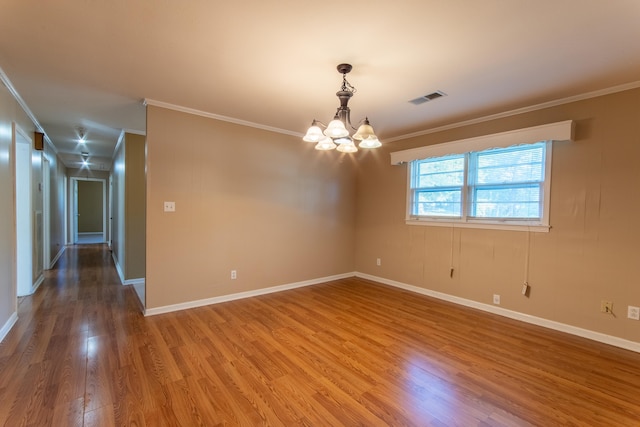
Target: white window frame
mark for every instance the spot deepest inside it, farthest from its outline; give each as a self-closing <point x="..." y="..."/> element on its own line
<point x="466" y="221"/>
<point x="561" y="131"/>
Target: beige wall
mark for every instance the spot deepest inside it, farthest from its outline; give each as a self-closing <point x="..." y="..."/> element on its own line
<point x="57" y="175"/>
<point x="117" y="208"/>
<point x="591" y="253"/>
<point x="261" y="203"/>
<point x="90" y="206"/>
<point x="135" y="206"/>
<point x="129" y="207"/>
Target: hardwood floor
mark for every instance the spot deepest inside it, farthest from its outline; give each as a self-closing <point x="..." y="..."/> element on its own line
<point x="349" y="352"/>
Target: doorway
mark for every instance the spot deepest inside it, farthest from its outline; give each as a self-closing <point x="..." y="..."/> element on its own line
<point x="88" y="216"/>
<point x="24" y="233"/>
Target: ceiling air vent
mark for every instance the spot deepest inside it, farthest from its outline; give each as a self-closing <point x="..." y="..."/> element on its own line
<point x="429" y="97"/>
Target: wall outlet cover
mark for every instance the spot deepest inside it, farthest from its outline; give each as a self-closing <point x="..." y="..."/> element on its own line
<point x="633" y="312"/>
<point x="606" y="307"/>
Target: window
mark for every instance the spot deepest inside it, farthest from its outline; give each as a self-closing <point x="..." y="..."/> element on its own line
<point x="437" y="186"/>
<point x="502" y="180"/>
<point x="503" y="187"/>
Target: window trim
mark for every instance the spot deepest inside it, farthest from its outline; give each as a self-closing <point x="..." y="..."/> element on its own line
<point x="561" y="131"/>
<point x="465" y="221"/>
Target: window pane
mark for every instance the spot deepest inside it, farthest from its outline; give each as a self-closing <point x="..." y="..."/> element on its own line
<point x="440" y="172"/>
<point x="438" y="203"/>
<point x="514" y="165"/>
<point x="512" y="202"/>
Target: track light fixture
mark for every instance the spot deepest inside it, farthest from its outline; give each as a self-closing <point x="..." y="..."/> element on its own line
<point x="336" y="135"/>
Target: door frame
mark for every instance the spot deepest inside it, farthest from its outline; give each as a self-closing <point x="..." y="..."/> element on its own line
<point x="73" y="212"/>
<point x="46" y="212"/>
<point x="23" y="221"/>
<point x="110" y="210"/>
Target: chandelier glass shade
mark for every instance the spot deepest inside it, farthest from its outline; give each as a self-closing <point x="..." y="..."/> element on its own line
<point x="336" y="134"/>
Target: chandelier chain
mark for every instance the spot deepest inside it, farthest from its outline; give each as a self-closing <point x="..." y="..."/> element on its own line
<point x="346" y="86"/>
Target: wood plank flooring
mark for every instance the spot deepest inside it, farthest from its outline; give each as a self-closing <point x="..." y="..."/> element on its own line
<point x="344" y="353"/>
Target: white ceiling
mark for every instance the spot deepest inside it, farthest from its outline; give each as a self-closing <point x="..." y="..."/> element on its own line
<point x="88" y="63"/>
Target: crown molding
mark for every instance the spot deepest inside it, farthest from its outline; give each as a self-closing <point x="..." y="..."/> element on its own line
<point x="5" y="80"/>
<point x="536" y="107"/>
<point x="219" y="117"/>
<point x="135" y="132"/>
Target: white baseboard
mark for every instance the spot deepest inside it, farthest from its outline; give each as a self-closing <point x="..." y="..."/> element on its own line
<point x="57" y="257"/>
<point x="118" y="268"/>
<point x="8" y="325"/>
<point x="138" y="284"/>
<point x="34" y="286"/>
<point x="140" y="290"/>
<point x="37" y="284"/>
<point x="241" y="295"/>
<point x="550" y="324"/>
<point x="562" y="327"/>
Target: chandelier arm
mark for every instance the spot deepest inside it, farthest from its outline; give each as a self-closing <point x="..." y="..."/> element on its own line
<point x="344" y="115"/>
<point x="349" y="120"/>
<point x="361" y="121"/>
<point x="318" y="122"/>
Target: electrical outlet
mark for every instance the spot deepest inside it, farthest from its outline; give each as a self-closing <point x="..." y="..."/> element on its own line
<point x="169" y="206"/>
<point x="378" y="262"/>
<point x="234" y="274"/>
<point x="496" y="299"/>
<point x="633" y="312"/>
<point x="606" y="307"/>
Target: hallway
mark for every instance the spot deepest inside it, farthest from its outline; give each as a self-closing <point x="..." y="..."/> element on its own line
<point x="348" y="352"/>
<point x="57" y="364"/>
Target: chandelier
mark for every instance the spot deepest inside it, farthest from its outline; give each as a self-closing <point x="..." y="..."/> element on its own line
<point x="336" y="135"/>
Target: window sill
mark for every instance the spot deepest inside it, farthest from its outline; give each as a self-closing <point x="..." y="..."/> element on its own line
<point x="538" y="228"/>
